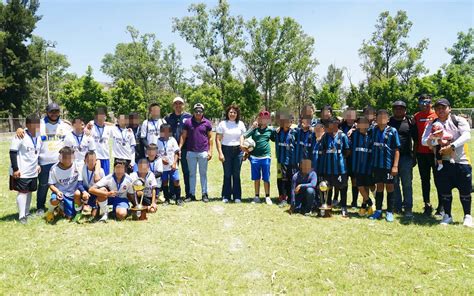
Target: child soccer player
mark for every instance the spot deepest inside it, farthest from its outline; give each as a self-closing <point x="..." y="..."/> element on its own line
<point x="168" y="150"/>
<point x="149" y="193"/>
<point x="123" y="145"/>
<point x="155" y="164"/>
<point x="260" y="157"/>
<point x="284" y="143"/>
<point x="115" y="189"/>
<point x="385" y="156"/>
<point x="150" y="131"/>
<point x="303" y="141"/>
<point x="303" y="188"/>
<point x="65" y="183"/>
<point x="348" y="126"/>
<point x="335" y="147"/>
<point x="24" y="154"/>
<point x="90" y="176"/>
<point x="101" y="131"/>
<point x="361" y="151"/>
<point x="79" y="142"/>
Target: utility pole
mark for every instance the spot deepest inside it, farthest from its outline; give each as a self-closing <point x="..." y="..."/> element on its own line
<point x="49" y="44"/>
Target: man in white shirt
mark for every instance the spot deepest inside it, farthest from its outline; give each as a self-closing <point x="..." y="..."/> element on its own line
<point x="24" y="154"/>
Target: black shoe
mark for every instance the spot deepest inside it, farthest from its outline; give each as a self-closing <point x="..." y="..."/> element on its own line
<point x="428" y="210"/>
<point x="179" y="202"/>
<point x="205" y="198"/>
<point x="190" y="198"/>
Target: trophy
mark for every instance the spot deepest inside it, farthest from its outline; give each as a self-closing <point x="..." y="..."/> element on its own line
<point x="324" y="209"/>
<point x="138" y="188"/>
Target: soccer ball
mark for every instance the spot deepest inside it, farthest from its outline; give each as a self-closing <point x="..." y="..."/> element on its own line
<point x="249" y="144"/>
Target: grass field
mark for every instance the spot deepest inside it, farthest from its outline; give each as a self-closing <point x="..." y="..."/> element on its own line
<point x="221" y="248"/>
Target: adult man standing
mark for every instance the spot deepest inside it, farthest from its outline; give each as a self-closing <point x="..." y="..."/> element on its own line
<point x="176" y="120"/>
<point x="456" y="171"/>
<point x="407" y="133"/>
<point x="424" y="155"/>
<point x="198" y="132"/>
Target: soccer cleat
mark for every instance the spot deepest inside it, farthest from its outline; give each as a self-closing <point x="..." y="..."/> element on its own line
<point x="370" y="210"/>
<point x="40" y="212"/>
<point x="283" y="203"/>
<point x="225" y="200"/>
<point x="446" y="220"/>
<point x="77" y="218"/>
<point x="344" y="212"/>
<point x="104" y="218"/>
<point x="49" y="216"/>
<point x="256" y="200"/>
<point x="237" y="200"/>
<point x="408" y="214"/>
<point x="179" y="202"/>
<point x="23" y="220"/>
<point x="428" y="210"/>
<point x="376" y="215"/>
<point x="389" y="217"/>
<point x="362" y="212"/>
<point x="268" y="200"/>
<point x="467" y="221"/>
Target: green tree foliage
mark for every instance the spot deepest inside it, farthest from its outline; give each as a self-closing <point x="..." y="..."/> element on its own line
<point x="245" y="95"/>
<point x="18" y="65"/>
<point x="127" y="97"/>
<point x="331" y="92"/>
<point x="82" y="96"/>
<point x="209" y="96"/>
<point x="172" y="69"/>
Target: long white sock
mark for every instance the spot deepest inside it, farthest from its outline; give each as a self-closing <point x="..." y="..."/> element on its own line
<point x="103" y="209"/>
<point x="21" y="203"/>
<point x="29" y="196"/>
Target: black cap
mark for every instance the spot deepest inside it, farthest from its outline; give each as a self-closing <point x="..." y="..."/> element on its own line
<point x="443" y="102"/>
<point x="52" y="107"/>
<point x="399" y="103"/>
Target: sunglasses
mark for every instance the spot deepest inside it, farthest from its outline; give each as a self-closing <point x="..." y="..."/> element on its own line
<point x="198" y="111"/>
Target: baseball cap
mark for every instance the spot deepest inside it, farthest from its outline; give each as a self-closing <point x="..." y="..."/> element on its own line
<point x="264" y="114"/>
<point x="198" y="106"/>
<point x="178" y="99"/>
<point x="399" y="103"/>
<point x="443" y="102"/>
<point x="52" y="107"/>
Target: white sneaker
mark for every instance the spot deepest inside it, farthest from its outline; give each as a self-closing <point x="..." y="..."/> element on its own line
<point x="467" y="221"/>
<point x="446" y="220"/>
<point x="256" y="200"/>
<point x="104" y="218"/>
<point x="440" y="167"/>
<point x="268" y="200"/>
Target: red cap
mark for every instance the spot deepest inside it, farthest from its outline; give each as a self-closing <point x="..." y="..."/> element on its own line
<point x="264" y="114"/>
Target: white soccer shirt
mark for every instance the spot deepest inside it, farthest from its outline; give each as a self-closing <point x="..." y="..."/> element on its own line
<point x="150" y="182"/>
<point x="101" y="137"/>
<point x="151" y="130"/>
<point x="167" y="150"/>
<point x="52" y="136"/>
<point x="122" y="188"/>
<point x="88" y="176"/>
<point x="65" y="179"/>
<point x="27" y="150"/>
<point x="81" y="144"/>
<point x="123" y="145"/>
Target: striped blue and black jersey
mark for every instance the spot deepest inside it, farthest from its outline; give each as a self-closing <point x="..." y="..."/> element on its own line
<point x="361" y="152"/>
<point x="302" y="146"/>
<point x="316" y="158"/>
<point x="333" y="147"/>
<point x="284" y="146"/>
<point x="385" y="142"/>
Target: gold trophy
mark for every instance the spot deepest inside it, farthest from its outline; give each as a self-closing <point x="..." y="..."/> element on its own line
<point x="139" y="210"/>
<point x="325" y="209"/>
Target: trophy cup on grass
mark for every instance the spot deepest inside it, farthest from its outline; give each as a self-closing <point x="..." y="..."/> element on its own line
<point x="325" y="209"/>
<point x="139" y="210"/>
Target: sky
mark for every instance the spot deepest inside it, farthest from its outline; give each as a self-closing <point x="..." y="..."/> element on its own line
<point x="86" y="30"/>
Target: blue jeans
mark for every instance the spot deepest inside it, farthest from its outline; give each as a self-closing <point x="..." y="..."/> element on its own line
<point x="405" y="175"/>
<point x="195" y="158"/>
<point x="185" y="168"/>
<point x="232" y="164"/>
<point x="43" y="186"/>
<point x="304" y="200"/>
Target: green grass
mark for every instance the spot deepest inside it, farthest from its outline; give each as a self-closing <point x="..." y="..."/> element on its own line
<point x="236" y="249"/>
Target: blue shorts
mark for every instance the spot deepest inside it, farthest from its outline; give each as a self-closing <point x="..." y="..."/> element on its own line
<point x="68" y="205"/>
<point x="170" y="175"/>
<point x="105" y="164"/>
<point x="260" y="168"/>
<point x="118" y="202"/>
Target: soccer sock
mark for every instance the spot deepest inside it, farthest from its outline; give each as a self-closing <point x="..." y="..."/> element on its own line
<point x="267" y="194"/>
<point x="369" y="202"/>
<point x="447" y="201"/>
<point x="103" y="210"/>
<point x="378" y="200"/>
<point x="390" y="202"/>
<point x="21" y="199"/>
<point x="29" y="196"/>
<point x="355" y="195"/>
<point x="466" y="204"/>
<point x="166" y="192"/>
<point x="177" y="192"/>
<point x="288" y="188"/>
<point x="343" y="192"/>
<point x="280" y="186"/>
<point x="77" y="207"/>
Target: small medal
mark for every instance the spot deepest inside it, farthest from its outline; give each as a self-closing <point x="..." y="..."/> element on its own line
<point x="123" y="143"/>
<point x="36" y="151"/>
<point x="156" y="133"/>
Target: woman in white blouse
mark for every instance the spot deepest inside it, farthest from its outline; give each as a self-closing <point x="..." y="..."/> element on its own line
<point x="228" y="141"/>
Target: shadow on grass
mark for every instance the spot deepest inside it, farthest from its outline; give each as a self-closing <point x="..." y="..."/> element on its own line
<point x="9" y="217"/>
<point x="418" y="219"/>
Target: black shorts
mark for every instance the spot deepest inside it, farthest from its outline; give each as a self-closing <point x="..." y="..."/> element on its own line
<point x="364" y="180"/>
<point x="383" y="176"/>
<point x="24" y="184"/>
<point x="337" y="181"/>
<point x="454" y="175"/>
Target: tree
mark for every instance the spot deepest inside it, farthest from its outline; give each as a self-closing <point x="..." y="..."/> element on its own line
<point x="172" y="69"/>
<point x="81" y="97"/>
<point x="127" y="97"/>
<point x="271" y="51"/>
<point x="245" y="95"/>
<point x="217" y="36"/>
<point x="209" y="96"/>
<point x="18" y="66"/>
<point x="463" y="50"/>
<point x="331" y="89"/>
<point x="387" y="54"/>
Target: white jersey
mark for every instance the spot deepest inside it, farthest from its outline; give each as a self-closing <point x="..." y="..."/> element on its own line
<point x="150" y="182"/>
<point x="122" y="188"/>
<point x="167" y="149"/>
<point x="101" y="137"/>
<point x="88" y="176"/>
<point x="123" y="145"/>
<point x="65" y="179"/>
<point x="156" y="166"/>
<point x="27" y="157"/>
<point x="52" y="136"/>
<point x="81" y="144"/>
<point x="151" y="130"/>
